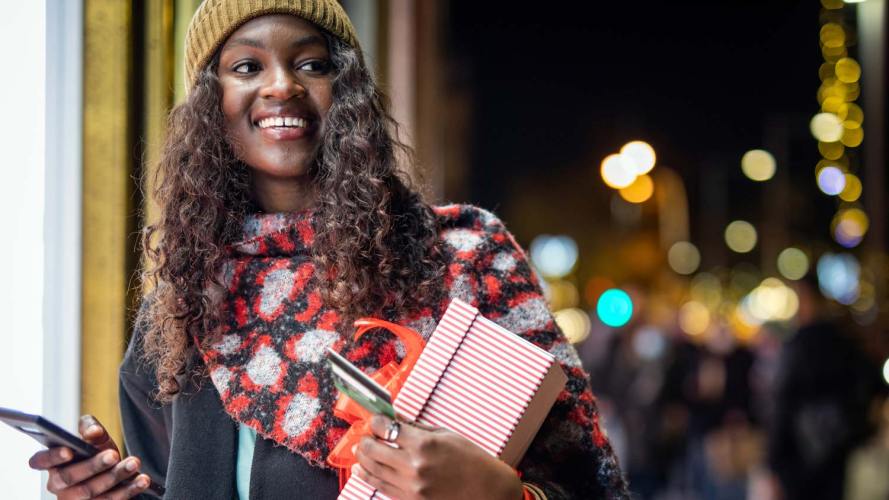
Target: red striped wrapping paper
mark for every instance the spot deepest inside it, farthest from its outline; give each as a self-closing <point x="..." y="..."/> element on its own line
<point x="481" y="381"/>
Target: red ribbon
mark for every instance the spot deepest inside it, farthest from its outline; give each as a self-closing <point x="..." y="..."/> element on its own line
<point x="391" y="377"/>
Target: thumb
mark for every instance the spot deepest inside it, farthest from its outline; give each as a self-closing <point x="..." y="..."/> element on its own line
<point x="94" y="433"/>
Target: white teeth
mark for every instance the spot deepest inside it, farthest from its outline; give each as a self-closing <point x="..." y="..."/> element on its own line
<point x="282" y="121"/>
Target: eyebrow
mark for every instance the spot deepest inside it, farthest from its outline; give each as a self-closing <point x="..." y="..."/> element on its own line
<point x="297" y="44"/>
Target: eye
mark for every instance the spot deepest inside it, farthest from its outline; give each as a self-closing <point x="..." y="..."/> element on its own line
<point x="317" y="66"/>
<point x="245" y="67"/>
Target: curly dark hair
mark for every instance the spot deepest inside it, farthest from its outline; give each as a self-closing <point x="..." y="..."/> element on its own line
<point x="372" y="229"/>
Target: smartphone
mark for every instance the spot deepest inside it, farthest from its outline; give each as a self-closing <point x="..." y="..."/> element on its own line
<point x="358" y="386"/>
<point x="50" y="435"/>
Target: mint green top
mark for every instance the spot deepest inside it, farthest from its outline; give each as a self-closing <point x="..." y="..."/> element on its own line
<point x="246" y="443"/>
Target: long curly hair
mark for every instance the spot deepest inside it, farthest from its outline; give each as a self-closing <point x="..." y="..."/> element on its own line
<point x="372" y="229"/>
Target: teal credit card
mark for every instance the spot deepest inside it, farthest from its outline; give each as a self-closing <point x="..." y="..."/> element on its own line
<point x="358" y="386"/>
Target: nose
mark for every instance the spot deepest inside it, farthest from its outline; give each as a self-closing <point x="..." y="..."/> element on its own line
<point x="281" y="84"/>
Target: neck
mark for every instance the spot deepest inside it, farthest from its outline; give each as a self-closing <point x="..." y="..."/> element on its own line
<point x="283" y="195"/>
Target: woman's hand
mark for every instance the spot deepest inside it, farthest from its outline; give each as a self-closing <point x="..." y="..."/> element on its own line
<point x="103" y="475"/>
<point x="432" y="463"/>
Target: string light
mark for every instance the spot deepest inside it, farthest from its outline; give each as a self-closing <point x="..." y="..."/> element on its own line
<point x="639" y="191"/>
<point x="758" y="165"/>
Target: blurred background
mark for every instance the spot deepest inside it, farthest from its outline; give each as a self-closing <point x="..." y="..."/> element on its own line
<point x="700" y="185"/>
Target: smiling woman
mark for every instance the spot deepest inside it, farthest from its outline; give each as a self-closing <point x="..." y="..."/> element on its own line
<point x="283" y="217"/>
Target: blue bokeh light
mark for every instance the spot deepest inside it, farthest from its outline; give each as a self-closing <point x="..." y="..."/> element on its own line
<point x="614" y="308"/>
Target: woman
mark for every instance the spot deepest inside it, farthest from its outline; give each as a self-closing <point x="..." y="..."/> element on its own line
<point x="284" y="218"/>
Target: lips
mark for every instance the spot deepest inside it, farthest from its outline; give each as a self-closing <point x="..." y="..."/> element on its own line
<point x="283" y="125"/>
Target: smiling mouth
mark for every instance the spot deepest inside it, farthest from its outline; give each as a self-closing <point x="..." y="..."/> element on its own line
<point x="282" y="122"/>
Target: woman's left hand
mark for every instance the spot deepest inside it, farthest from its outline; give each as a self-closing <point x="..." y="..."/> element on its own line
<point x="432" y="463"/>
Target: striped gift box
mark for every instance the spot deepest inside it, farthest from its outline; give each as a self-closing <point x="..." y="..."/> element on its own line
<point x="481" y="381"/>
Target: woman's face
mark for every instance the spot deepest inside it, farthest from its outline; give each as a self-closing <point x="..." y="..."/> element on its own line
<point x="276" y="80"/>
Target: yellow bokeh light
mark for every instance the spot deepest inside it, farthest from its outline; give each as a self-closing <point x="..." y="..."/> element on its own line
<point x="852" y="137"/>
<point x="826" y="127"/>
<point x="832" y="4"/>
<point x="683" y="257"/>
<point x="574" y="323"/>
<point x="850" y="112"/>
<point x="831" y="87"/>
<point x="831" y="150"/>
<point x="793" y="263"/>
<point x="853" y="90"/>
<point x="694" y="318"/>
<point x="740" y="236"/>
<point x="563" y="294"/>
<point x="639" y="191"/>
<point x="616" y="172"/>
<point x="758" y="165"/>
<point x="826" y="70"/>
<point x="833" y="54"/>
<point x="853" y="222"/>
<point x="848" y="70"/>
<point x="832" y="35"/>
<point x="772" y="300"/>
<point x="706" y="289"/>
<point x="852" y="190"/>
<point x="640" y="154"/>
<point x="832" y="104"/>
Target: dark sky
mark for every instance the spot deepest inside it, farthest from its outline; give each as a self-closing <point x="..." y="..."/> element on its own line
<point x="559" y="85"/>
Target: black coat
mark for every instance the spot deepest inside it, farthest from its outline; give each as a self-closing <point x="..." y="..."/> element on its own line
<point x="190" y="446"/>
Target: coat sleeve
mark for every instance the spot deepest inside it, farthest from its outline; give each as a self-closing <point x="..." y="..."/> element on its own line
<point x="570" y="457"/>
<point x="146" y="423"/>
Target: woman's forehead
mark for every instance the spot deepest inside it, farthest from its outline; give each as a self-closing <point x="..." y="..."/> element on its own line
<point x="273" y="25"/>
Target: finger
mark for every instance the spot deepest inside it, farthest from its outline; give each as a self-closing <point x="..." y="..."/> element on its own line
<point x="94" y="433"/>
<point x="389" y="464"/>
<point x="384" y="487"/>
<point x="69" y="475"/>
<point x="128" y="489"/>
<point x="46" y="459"/>
<point x="409" y="434"/>
<point x="102" y="483"/>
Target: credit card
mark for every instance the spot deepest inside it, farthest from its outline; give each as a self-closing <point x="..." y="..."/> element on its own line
<point x="358" y="386"/>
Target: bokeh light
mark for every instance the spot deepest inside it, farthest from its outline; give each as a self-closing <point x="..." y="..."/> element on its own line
<point x="553" y="256"/>
<point x="852" y="190"/>
<point x="848" y="70"/>
<point x="615" y="308"/>
<point x="826" y="127"/>
<point x="851" y="114"/>
<point x="640" y="155"/>
<point x="649" y="343"/>
<point x="706" y="289"/>
<point x="839" y="276"/>
<point x="639" y="191"/>
<point x="683" y="257"/>
<point x="758" y="165"/>
<point x="832" y="35"/>
<point x="772" y="300"/>
<point x="849" y="226"/>
<point x="617" y="172"/>
<point x="831" y="150"/>
<point x="886" y="371"/>
<point x="793" y="263"/>
<point x="563" y="294"/>
<point x="575" y="324"/>
<point x="852" y="137"/>
<point x="694" y="318"/>
<point x="740" y="236"/>
<point x="831" y="180"/>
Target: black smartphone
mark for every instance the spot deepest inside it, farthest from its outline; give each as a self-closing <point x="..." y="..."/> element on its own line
<point x="50" y="435"/>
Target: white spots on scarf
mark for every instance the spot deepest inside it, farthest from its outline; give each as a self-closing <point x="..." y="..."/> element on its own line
<point x="265" y="366"/>
<point x="504" y="262"/>
<point x="312" y="347"/>
<point x="424" y="326"/>
<point x="463" y="240"/>
<point x="248" y="247"/>
<point x="221" y="376"/>
<point x="276" y="286"/>
<point x="462" y="289"/>
<point x="533" y="314"/>
<point x="300" y="413"/>
<point x="565" y="353"/>
<point x="228" y="344"/>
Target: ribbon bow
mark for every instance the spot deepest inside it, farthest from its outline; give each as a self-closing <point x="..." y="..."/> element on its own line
<point x="391" y="377"/>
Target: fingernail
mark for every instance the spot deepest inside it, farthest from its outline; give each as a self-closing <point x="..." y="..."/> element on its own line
<point x="93" y="429"/>
<point x="142" y="482"/>
<point x="65" y="454"/>
<point x="131" y="465"/>
<point x="108" y="458"/>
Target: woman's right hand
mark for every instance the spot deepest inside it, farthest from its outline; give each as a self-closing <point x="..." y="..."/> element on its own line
<point x="104" y="475"/>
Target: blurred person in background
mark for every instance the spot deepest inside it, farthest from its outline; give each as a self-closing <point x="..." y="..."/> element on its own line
<point x="823" y="390"/>
<point x="284" y="217"/>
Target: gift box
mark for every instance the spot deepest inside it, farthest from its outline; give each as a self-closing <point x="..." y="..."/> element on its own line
<point x="481" y="381"/>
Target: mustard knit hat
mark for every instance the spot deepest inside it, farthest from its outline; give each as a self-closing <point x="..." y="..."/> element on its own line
<point x="215" y="20"/>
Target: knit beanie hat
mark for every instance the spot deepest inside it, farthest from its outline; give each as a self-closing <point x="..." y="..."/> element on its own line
<point x="215" y="20"/>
